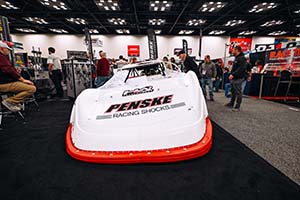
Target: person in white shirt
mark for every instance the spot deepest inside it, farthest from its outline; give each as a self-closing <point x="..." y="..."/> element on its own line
<point x="55" y="71"/>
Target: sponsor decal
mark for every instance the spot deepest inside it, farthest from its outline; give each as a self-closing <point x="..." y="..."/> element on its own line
<point x="140" y="104"/>
<point x="136" y="91"/>
<point x="150" y="110"/>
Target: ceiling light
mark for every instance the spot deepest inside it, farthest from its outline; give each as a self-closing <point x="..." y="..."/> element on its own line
<point x="195" y="22"/>
<point x="247" y="32"/>
<point x="157" y="22"/>
<point x="272" y="23"/>
<point x="234" y="22"/>
<point x="109" y="5"/>
<point x="93" y="31"/>
<point x="275" y="33"/>
<point x="160" y="5"/>
<point x="185" y="32"/>
<point x="7" y="5"/>
<point x="297" y="11"/>
<point x="123" y="31"/>
<point x="212" y="6"/>
<point x="117" y="21"/>
<point x="55" y="4"/>
<point x="58" y="30"/>
<point x="263" y="7"/>
<point x="77" y="20"/>
<point x="298" y="26"/>
<point x="36" y="20"/>
<point x="216" y="32"/>
<point x="25" y="30"/>
<point x="157" y="31"/>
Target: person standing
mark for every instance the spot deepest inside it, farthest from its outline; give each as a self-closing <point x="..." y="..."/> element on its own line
<point x="226" y="82"/>
<point x="11" y="81"/>
<point x="103" y="69"/>
<point x="167" y="63"/>
<point x="189" y="64"/>
<point x="248" y="74"/>
<point x="121" y="62"/>
<point x="55" y="71"/>
<point x="219" y="77"/>
<point x="208" y="72"/>
<point x="236" y="77"/>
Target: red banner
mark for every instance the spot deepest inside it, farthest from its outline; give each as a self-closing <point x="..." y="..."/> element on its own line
<point x="133" y="50"/>
<point x="245" y="43"/>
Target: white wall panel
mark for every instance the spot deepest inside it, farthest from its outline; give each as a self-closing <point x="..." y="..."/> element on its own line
<point x="61" y="43"/>
<point x="116" y="45"/>
<point x="262" y="40"/>
<point x="214" y="46"/>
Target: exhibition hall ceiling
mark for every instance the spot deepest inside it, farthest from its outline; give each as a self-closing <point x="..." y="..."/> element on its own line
<point x="177" y="17"/>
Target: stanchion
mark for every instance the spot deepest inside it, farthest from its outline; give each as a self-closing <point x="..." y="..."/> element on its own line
<point x="261" y="85"/>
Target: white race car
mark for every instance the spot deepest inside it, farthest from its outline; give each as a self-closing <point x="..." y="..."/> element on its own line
<point x="144" y="114"/>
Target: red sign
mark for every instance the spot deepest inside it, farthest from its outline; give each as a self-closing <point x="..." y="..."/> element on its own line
<point x="133" y="50"/>
<point x="245" y="43"/>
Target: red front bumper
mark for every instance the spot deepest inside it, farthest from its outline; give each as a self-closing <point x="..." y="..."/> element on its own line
<point x="151" y="156"/>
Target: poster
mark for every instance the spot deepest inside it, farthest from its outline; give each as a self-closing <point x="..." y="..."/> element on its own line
<point x="245" y="43"/>
<point x="133" y="50"/>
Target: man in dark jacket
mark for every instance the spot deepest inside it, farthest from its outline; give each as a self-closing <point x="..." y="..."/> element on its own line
<point x="12" y="82"/>
<point x="236" y="77"/>
<point x="103" y="69"/>
<point x="189" y="64"/>
<point x="219" y="77"/>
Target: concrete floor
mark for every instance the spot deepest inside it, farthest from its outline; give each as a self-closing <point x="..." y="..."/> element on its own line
<point x="270" y="129"/>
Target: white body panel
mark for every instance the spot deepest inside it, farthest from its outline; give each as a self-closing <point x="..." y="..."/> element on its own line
<point x="179" y="122"/>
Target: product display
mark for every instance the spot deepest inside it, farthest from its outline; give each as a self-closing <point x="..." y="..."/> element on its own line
<point x="280" y="77"/>
<point x="142" y="114"/>
<point x="78" y="77"/>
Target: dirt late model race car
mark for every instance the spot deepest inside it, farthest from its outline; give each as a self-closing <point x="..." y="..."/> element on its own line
<point x="144" y="114"/>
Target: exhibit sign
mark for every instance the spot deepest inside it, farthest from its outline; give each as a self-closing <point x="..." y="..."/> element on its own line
<point x="259" y="48"/>
<point x="152" y="43"/>
<point x="76" y="54"/>
<point x="133" y="50"/>
<point x="177" y="50"/>
<point x="283" y="55"/>
<point x="96" y="42"/>
<point x="245" y="43"/>
<point x="185" y="46"/>
<point x="282" y="41"/>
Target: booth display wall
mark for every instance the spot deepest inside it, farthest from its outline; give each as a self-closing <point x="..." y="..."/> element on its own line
<point x="116" y="45"/>
<point x="62" y="43"/>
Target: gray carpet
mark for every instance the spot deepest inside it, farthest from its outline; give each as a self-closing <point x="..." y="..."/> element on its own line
<point x="270" y="129"/>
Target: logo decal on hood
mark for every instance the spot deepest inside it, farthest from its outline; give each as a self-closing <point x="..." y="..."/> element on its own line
<point x="136" y="91"/>
<point x="140" y="104"/>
